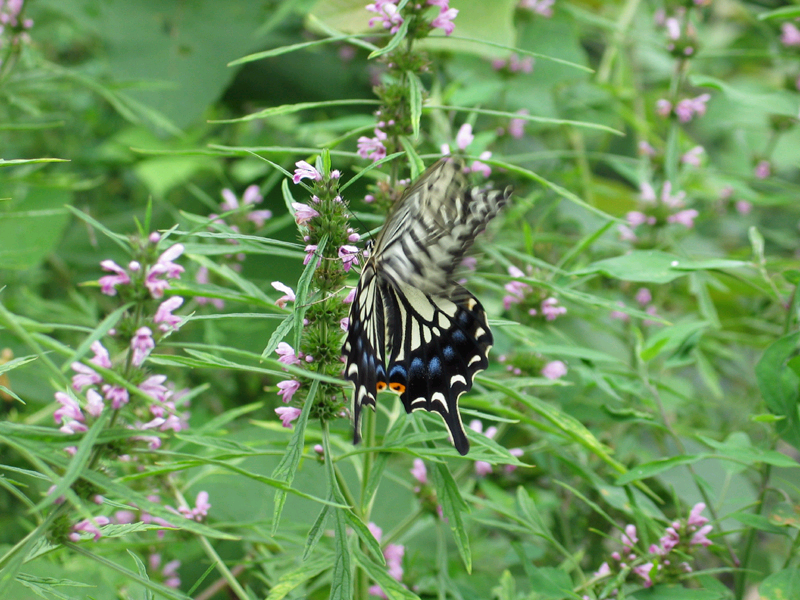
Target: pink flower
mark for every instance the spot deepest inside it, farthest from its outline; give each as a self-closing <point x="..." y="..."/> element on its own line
<point x="200" y="511"/>
<point x="372" y="148"/>
<point x="555" y="369"/>
<point x="73" y="427"/>
<point x="516" y="292"/>
<point x="109" y="283"/>
<point x="445" y="20"/>
<point x="141" y="344"/>
<point x="668" y="199"/>
<point x="288" y="388"/>
<point x="305" y="171"/>
<point x="629" y="538"/>
<point x="167" y="258"/>
<point x="516" y="452"/>
<point x="310" y="250"/>
<point x="287" y="415"/>
<point x="663" y="107"/>
<point x="644" y="571"/>
<point x="646" y="149"/>
<point x="101" y="357"/>
<point x="349" y="256"/>
<point x="673" y="28"/>
<point x="790" y="34"/>
<point x="344" y="323"/>
<point x="763" y="169"/>
<point x="643" y="296"/>
<point x="669" y="540"/>
<point x="351" y="295"/>
<point x="516" y="127"/>
<point x="693" y="157"/>
<point x="94" y="403"/>
<point x="86" y="376"/>
<point x="619" y="315"/>
<point x="551" y="310"/>
<point x="289" y="294"/>
<point x="479" y="167"/>
<point x="684" y="217"/>
<point x="303" y="212"/>
<point x="743" y="207"/>
<point x="603" y="571"/>
<point x="202" y="277"/>
<point x="154" y="387"/>
<point x="699" y="538"/>
<point x="540" y="7"/>
<point x="393" y="553"/>
<point x="169" y="322"/>
<point x="419" y="472"/>
<point x="88" y="526"/>
<point x="118" y="396"/>
<point x="464" y="136"/>
<point x="70" y="410"/>
<point x="636" y="218"/>
<point x="626" y="234"/>
<point x="689" y="107"/>
<point x="387" y="14"/>
<point x="287" y="354"/>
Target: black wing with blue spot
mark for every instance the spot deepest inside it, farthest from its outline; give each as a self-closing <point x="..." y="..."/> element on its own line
<point x="409" y="308"/>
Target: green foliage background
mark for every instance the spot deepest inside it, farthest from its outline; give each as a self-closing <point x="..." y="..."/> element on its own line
<point x="116" y="114"/>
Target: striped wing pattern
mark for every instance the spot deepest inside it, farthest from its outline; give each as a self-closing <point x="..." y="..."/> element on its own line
<point x="413" y="329"/>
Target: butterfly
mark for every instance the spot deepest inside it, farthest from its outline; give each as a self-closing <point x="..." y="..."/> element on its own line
<point x="413" y="329"/>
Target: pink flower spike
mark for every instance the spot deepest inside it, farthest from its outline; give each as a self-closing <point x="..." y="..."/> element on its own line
<point x="69" y="410"/>
<point x="551" y="310"/>
<point x="287" y="389"/>
<point x="419" y="472"/>
<point x="164" y="316"/>
<point x="118" y="396"/>
<point x="154" y="387"/>
<point x="349" y="256"/>
<point x="699" y="538"/>
<point x="287" y="415"/>
<point x="303" y="213"/>
<point x="629" y="538"/>
<point x="141" y="344"/>
<point x="101" y="357"/>
<point x="289" y="294"/>
<point x="94" y="403"/>
<point x="695" y="518"/>
<point x="555" y="369"/>
<point x="763" y="169"/>
<point x="305" y="171"/>
<point x="85" y="377"/>
<point x="230" y="202"/>
<point x="372" y="148"/>
<point x="287" y="354"/>
<point x="684" y="217"/>
<point x="790" y="34"/>
<point x="464" y="136"/>
<point x="109" y="283"/>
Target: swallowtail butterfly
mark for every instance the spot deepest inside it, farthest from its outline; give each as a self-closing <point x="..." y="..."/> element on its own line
<point x="413" y="329"/>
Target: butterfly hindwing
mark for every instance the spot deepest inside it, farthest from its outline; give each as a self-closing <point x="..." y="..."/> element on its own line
<point x="409" y="308"/>
<point x="435" y="346"/>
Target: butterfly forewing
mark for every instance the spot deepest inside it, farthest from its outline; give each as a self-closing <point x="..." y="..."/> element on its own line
<point x="409" y="307"/>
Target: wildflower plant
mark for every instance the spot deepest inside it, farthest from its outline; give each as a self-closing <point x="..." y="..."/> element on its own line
<point x="175" y="419"/>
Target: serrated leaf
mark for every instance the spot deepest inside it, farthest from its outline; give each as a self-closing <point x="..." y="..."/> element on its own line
<point x="290" y="581"/>
<point x="393" y="589"/>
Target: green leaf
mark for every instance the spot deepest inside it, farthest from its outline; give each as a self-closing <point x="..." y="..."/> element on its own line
<point x="290" y="581"/>
<point x="317" y="529"/>
<point x="653" y="468"/>
<point x="393" y="588"/>
<point x="551" y="583"/>
<point x="782" y="585"/>
<point x="280" y="333"/>
<point x="415" y="90"/>
<point x="785" y="515"/>
<point x="31" y="225"/>
<point x="287" y="468"/>
<point x="779" y="386"/>
<point x="452" y="506"/>
<point x="142" y="573"/>
<point x="342" y="575"/>
<point x="654" y="266"/>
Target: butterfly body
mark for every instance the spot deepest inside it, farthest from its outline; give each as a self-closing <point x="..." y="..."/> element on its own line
<point x="413" y="329"/>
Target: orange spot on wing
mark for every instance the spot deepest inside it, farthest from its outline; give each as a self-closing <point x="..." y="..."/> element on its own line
<point x="381" y="386"/>
<point x="397" y="387"/>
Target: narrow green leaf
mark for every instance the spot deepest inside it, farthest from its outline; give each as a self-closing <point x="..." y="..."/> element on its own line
<point x="290" y="581"/>
<point x="399" y="36"/>
<point x="452" y="506"/>
<point x="288" y="109"/>
<point x="317" y="529"/>
<point x="415" y="90"/>
<point x="415" y="163"/>
<point x="148" y="593"/>
<point x="294" y="47"/>
<point x="653" y="468"/>
<point x="119" y="240"/>
<point x="287" y="468"/>
<point x="393" y="588"/>
<point x="280" y="333"/>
